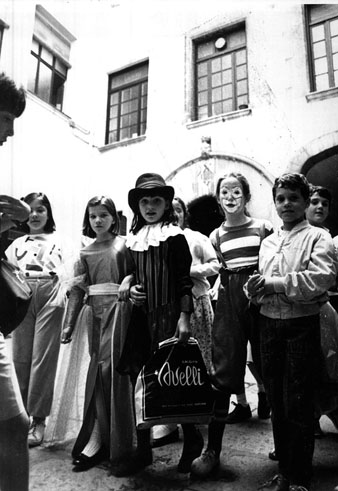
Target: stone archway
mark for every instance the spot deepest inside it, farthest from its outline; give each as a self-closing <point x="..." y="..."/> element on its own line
<point x="199" y="176"/>
<point x="318" y="161"/>
<point x="322" y="170"/>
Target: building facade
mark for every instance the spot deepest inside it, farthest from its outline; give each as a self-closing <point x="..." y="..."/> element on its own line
<point x="189" y="89"/>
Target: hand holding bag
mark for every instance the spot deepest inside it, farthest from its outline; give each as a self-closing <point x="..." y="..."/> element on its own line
<point x="174" y="387"/>
<point x="15" y="296"/>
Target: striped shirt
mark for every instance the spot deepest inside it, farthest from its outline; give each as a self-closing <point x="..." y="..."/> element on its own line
<point x="238" y="247"/>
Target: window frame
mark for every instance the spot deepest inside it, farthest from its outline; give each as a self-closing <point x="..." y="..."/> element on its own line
<point x="41" y="61"/>
<point x="323" y="20"/>
<point x="223" y="31"/>
<point x="51" y="36"/>
<point x="144" y="79"/>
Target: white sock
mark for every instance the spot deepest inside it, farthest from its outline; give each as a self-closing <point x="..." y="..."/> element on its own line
<point x="94" y="442"/>
<point x="241" y="399"/>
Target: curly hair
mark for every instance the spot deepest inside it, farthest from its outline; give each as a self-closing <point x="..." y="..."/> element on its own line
<point x="292" y="181"/>
<point x="12" y="99"/>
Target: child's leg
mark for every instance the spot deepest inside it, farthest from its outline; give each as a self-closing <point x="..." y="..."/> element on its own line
<point x="143" y="455"/>
<point x="263" y="408"/>
<point x="209" y="460"/>
<point x="192" y="447"/>
<point x="302" y="362"/>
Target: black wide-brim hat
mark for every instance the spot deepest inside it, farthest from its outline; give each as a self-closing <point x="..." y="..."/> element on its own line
<point x="149" y="184"/>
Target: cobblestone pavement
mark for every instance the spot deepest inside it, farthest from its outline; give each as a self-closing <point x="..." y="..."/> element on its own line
<point x="244" y="463"/>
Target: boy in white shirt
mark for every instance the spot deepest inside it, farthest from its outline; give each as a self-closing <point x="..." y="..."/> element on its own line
<point x="297" y="266"/>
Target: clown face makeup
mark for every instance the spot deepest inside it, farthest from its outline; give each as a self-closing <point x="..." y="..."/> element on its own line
<point x="231" y="197"/>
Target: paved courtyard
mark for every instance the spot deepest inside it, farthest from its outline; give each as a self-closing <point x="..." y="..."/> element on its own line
<point x="244" y="463"/>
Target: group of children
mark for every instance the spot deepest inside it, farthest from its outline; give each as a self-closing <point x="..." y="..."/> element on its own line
<point x="132" y="293"/>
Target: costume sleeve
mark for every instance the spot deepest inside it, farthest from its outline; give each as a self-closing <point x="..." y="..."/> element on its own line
<point x="207" y="264"/>
<point x="181" y="262"/>
<point x="76" y="295"/>
<point x="316" y="279"/>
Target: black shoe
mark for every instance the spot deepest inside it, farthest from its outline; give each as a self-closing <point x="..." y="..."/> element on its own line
<point x="133" y="464"/>
<point x="165" y="440"/>
<point x="273" y="455"/>
<point x="83" y="463"/>
<point x="239" y="414"/>
<point x="191" y="450"/>
<point x="263" y="409"/>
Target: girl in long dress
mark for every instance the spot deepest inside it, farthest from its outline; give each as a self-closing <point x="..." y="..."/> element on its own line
<point x="108" y="424"/>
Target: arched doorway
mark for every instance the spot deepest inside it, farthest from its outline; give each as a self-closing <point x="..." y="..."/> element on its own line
<point x="322" y="170"/>
<point x="199" y="176"/>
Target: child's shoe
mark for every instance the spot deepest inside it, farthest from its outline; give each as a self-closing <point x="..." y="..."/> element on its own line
<point x="239" y="414"/>
<point x="36" y="432"/>
<point x="277" y="483"/>
<point x="204" y="465"/>
<point x="263" y="409"/>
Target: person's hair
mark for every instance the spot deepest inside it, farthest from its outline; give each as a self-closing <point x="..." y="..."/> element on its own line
<point x="242" y="180"/>
<point x="292" y="181"/>
<point x="12" y="99"/>
<point x="109" y="204"/>
<point x="205" y="214"/>
<point x="184" y="209"/>
<point x="322" y="192"/>
<point x="169" y="215"/>
<point x="50" y="224"/>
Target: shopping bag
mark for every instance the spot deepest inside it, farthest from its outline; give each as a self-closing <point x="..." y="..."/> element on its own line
<point x="174" y="387"/>
<point x="15" y="296"/>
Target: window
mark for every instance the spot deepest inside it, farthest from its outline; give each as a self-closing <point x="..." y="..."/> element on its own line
<point x="49" y="58"/>
<point x="322" y="22"/>
<point x="221" y="73"/>
<point x="127" y="103"/>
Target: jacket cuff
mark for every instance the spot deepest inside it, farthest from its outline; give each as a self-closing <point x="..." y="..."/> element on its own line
<point x="187" y="304"/>
<point x="278" y="285"/>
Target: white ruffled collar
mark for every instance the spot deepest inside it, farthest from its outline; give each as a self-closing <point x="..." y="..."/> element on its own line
<point x="151" y="235"/>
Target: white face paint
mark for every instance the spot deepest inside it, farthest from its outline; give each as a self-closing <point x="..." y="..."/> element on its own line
<point x="231" y="197"/>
